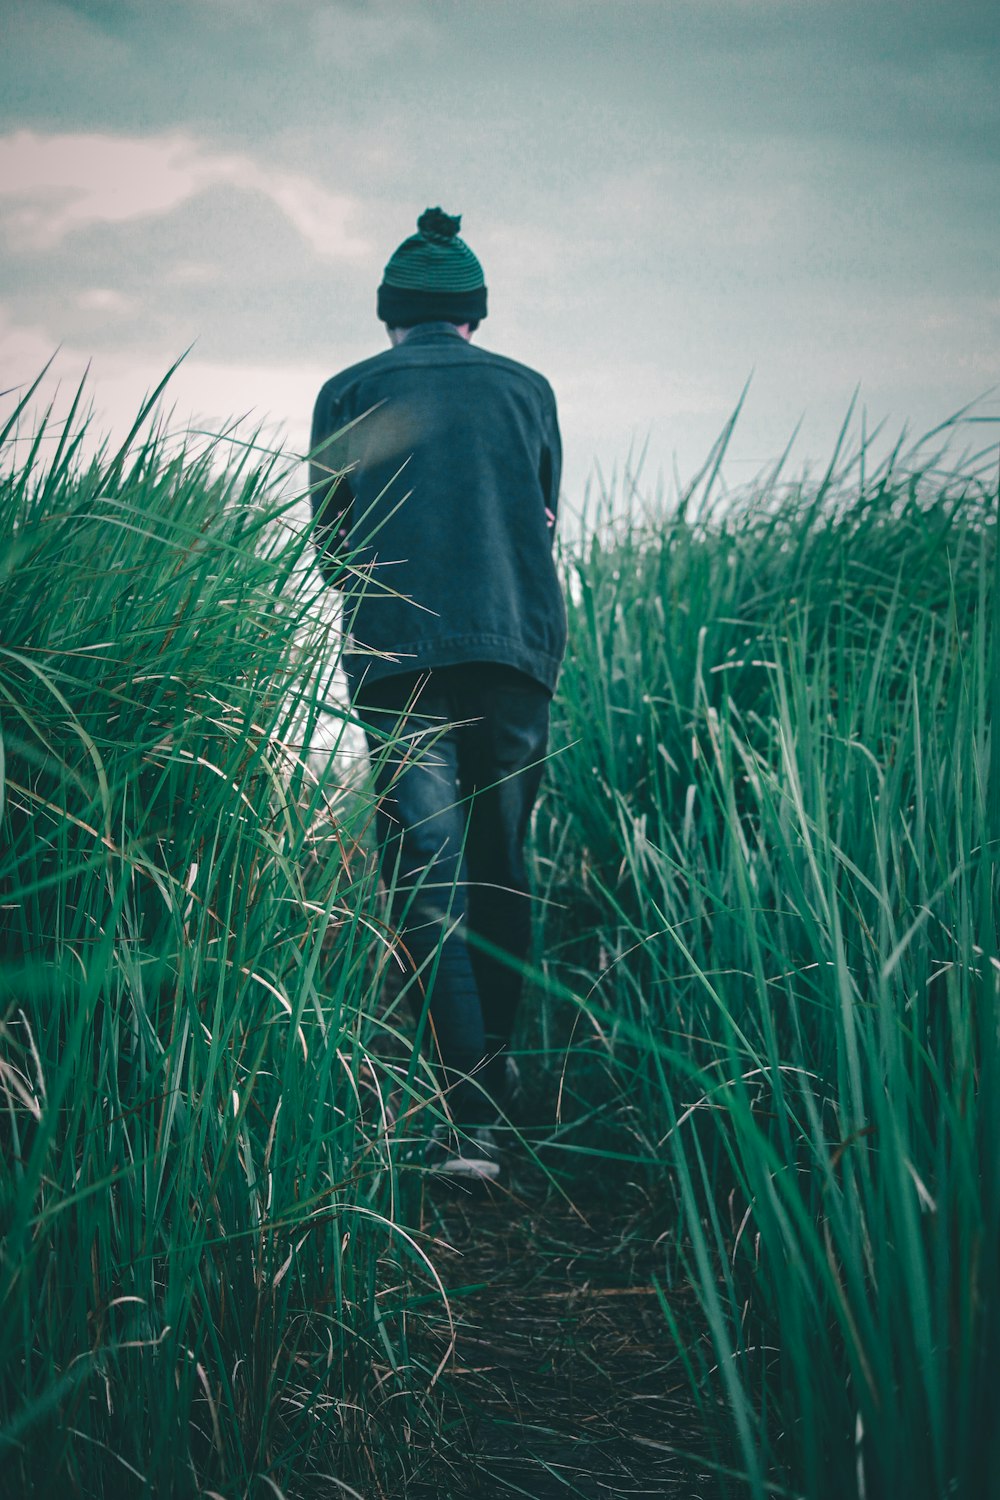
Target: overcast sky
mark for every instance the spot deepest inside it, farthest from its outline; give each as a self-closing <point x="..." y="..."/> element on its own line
<point x="666" y="195"/>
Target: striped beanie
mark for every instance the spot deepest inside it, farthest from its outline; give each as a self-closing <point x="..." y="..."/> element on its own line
<point x="432" y="277"/>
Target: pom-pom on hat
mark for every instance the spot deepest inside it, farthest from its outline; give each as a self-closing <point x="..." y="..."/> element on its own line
<point x="432" y="277"/>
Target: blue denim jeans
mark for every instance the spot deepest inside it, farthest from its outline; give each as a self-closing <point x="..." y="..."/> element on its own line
<point x="455" y="795"/>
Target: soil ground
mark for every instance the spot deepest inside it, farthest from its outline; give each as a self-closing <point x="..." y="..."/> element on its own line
<point x="563" y="1381"/>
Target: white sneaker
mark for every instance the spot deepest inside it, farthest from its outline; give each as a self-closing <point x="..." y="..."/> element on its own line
<point x="470" y="1154"/>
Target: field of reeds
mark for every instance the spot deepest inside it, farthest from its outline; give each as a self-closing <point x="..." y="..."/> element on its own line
<point x="765" y="993"/>
<point x="771" y="853"/>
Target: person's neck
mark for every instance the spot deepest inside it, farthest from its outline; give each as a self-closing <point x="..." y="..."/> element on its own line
<point x="400" y="335"/>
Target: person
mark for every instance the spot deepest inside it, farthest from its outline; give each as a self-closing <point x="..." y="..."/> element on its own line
<point x="434" y="481"/>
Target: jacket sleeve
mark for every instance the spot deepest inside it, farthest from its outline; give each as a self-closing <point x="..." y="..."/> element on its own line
<point x="550" y="468"/>
<point x="330" y="492"/>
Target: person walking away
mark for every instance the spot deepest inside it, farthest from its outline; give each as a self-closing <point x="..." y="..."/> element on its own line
<point x="455" y="629"/>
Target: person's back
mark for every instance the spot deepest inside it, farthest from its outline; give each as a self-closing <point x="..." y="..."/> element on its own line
<point x="448" y="459"/>
<point x="454" y="464"/>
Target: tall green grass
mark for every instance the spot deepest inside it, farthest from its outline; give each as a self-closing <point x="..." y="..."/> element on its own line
<point x="205" y="1267"/>
<point x="768" y="848"/>
<point x="771" y="846"/>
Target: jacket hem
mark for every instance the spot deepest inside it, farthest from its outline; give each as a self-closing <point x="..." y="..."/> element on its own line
<point x="362" y="666"/>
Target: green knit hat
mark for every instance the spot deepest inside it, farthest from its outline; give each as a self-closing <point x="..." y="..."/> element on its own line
<point x="432" y="277"/>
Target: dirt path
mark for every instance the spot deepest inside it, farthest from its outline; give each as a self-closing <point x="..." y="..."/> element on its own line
<point x="564" y="1382"/>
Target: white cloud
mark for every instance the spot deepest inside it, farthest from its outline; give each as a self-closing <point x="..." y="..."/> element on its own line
<point x="24" y="349"/>
<point x="60" y="183"/>
<point x="104" y="299"/>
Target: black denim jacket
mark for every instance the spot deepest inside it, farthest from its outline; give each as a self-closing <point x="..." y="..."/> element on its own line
<point x="449" y="461"/>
